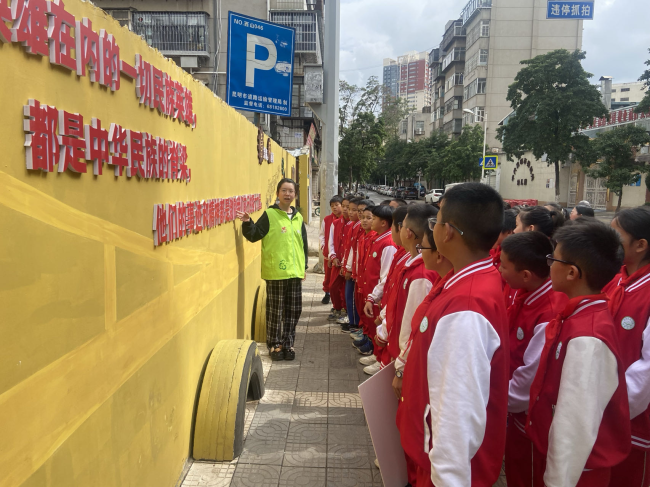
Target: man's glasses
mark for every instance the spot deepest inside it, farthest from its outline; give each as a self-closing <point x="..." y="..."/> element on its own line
<point x="419" y="248"/>
<point x="434" y="221"/>
<point x="401" y="224"/>
<point x="550" y="260"/>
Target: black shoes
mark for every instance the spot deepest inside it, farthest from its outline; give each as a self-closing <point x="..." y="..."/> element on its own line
<point x="276" y="354"/>
<point x="326" y="298"/>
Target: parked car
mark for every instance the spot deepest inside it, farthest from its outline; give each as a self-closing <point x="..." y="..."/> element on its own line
<point x="423" y="191"/>
<point x="399" y="192"/>
<point x="433" y="196"/>
<point x="411" y="193"/>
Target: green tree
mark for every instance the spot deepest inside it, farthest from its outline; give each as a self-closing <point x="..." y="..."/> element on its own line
<point x="612" y="156"/>
<point x="460" y="159"/>
<point x="361" y="147"/>
<point x="348" y="97"/>
<point x="393" y="112"/>
<point x="552" y="100"/>
<point x="644" y="106"/>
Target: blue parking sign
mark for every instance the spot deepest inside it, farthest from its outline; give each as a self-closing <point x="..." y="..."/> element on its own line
<point x="260" y="65"/>
<point x="570" y="10"/>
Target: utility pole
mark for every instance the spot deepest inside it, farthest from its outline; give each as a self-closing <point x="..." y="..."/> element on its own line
<point x="328" y="112"/>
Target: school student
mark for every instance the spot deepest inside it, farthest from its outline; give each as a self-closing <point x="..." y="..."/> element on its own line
<point x="524" y="267"/>
<point x="533" y="219"/>
<point x="363" y="245"/>
<point x="351" y="231"/>
<point x="324" y="237"/>
<point x="335" y="248"/>
<point x="376" y="265"/>
<point x="412" y="284"/>
<point x="452" y="416"/>
<point x="357" y="248"/>
<point x="374" y="362"/>
<point x="509" y="225"/>
<point x="629" y="303"/>
<point x="578" y="415"/>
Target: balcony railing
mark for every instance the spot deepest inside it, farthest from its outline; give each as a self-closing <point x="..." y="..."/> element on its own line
<point x="173" y="33"/>
<point x="456" y="30"/>
<point x="472" y="7"/>
<point x="458" y="54"/>
<point x="306" y="25"/>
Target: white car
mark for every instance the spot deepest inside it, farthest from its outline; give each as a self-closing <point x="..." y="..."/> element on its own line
<point x="433" y="196"/>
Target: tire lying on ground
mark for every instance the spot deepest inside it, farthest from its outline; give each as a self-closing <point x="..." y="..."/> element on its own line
<point x="259" y="315"/>
<point x="233" y="375"/>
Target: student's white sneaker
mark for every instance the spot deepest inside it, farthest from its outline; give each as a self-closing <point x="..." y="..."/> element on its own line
<point x="371" y="359"/>
<point x="372" y="369"/>
<point x="343" y="320"/>
<point x="376" y="463"/>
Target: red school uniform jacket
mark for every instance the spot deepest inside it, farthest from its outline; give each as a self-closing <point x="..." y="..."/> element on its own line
<point x="376" y="266"/>
<point x="578" y="413"/>
<point x="350" y="243"/>
<point x="402" y="303"/>
<point x="630" y="307"/>
<point x="399" y="259"/>
<point x="452" y="417"/>
<point x="327" y="225"/>
<point x="363" y="244"/>
<point x="335" y="244"/>
<point x="527" y="318"/>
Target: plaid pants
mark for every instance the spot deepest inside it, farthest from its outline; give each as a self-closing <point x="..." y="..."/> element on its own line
<point x="283" y="309"/>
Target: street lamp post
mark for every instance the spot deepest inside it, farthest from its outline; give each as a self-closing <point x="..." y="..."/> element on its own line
<point x="467" y="110"/>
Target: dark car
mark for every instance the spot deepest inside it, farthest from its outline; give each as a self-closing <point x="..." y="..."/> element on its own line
<point x="399" y="192"/>
<point x="423" y="192"/>
<point x="411" y="193"/>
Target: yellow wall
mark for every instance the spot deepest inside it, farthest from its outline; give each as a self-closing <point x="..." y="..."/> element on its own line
<point x="102" y="336"/>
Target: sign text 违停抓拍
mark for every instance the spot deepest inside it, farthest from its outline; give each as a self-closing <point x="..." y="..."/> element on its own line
<point x="260" y="65"/>
<point x="570" y="10"/>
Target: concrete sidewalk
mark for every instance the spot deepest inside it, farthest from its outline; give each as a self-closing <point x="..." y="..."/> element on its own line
<point x="309" y="428"/>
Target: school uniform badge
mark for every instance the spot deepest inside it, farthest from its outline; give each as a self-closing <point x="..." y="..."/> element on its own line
<point x="284" y="229"/>
<point x="520" y="333"/>
<point x="374" y="255"/>
<point x="628" y="323"/>
<point x="424" y="325"/>
<point x="557" y="352"/>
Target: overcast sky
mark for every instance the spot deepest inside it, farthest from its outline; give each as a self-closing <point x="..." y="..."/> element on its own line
<point x="616" y="41"/>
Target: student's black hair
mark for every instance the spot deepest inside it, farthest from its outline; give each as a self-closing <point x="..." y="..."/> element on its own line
<point x="347" y="198"/>
<point x="399" y="214"/>
<point x="385" y="202"/>
<point x="477" y="210"/>
<point x="367" y="203"/>
<point x="545" y="220"/>
<point x="399" y="201"/>
<point x="636" y="222"/>
<point x="286" y="180"/>
<point x="560" y="211"/>
<point x="418" y="217"/>
<point x="385" y="213"/>
<point x="370" y="208"/>
<point x="429" y="233"/>
<point x="528" y="251"/>
<point x="356" y="201"/>
<point x="509" y="221"/>
<point x="585" y="211"/>
<point x="336" y="199"/>
<point x="592" y="246"/>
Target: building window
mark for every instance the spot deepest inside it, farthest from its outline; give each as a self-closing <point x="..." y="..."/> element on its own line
<point x="454" y="80"/>
<point x="614" y="90"/>
<point x="485" y="28"/>
<point x="180" y="32"/>
<point x="624" y="89"/>
<point x="405" y="127"/>
<point x="481" y="29"/>
<point x="476" y="87"/>
<point x="419" y="125"/>
<point x="483" y="57"/>
<point x="625" y="99"/>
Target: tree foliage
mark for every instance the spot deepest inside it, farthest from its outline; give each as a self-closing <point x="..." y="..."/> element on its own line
<point x="644" y="106"/>
<point x="360" y="147"/>
<point x="553" y="99"/>
<point x="393" y="112"/>
<point x="611" y="156"/>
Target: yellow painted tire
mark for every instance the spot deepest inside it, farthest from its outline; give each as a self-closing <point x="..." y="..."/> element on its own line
<point x="259" y="315"/>
<point x="233" y="375"/>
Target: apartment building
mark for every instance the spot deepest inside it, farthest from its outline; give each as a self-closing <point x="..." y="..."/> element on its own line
<point x="628" y="92"/>
<point x="193" y="33"/>
<point x="408" y="77"/>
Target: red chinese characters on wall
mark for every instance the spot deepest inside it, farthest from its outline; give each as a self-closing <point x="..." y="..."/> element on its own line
<point x="172" y="221"/>
<point x="59" y="138"/>
<point x="45" y="28"/>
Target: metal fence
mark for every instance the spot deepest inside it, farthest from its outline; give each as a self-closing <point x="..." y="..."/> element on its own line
<point x="306" y="27"/>
<point x="173" y="32"/>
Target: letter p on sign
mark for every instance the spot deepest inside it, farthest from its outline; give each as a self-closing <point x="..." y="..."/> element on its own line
<point x="252" y="63"/>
